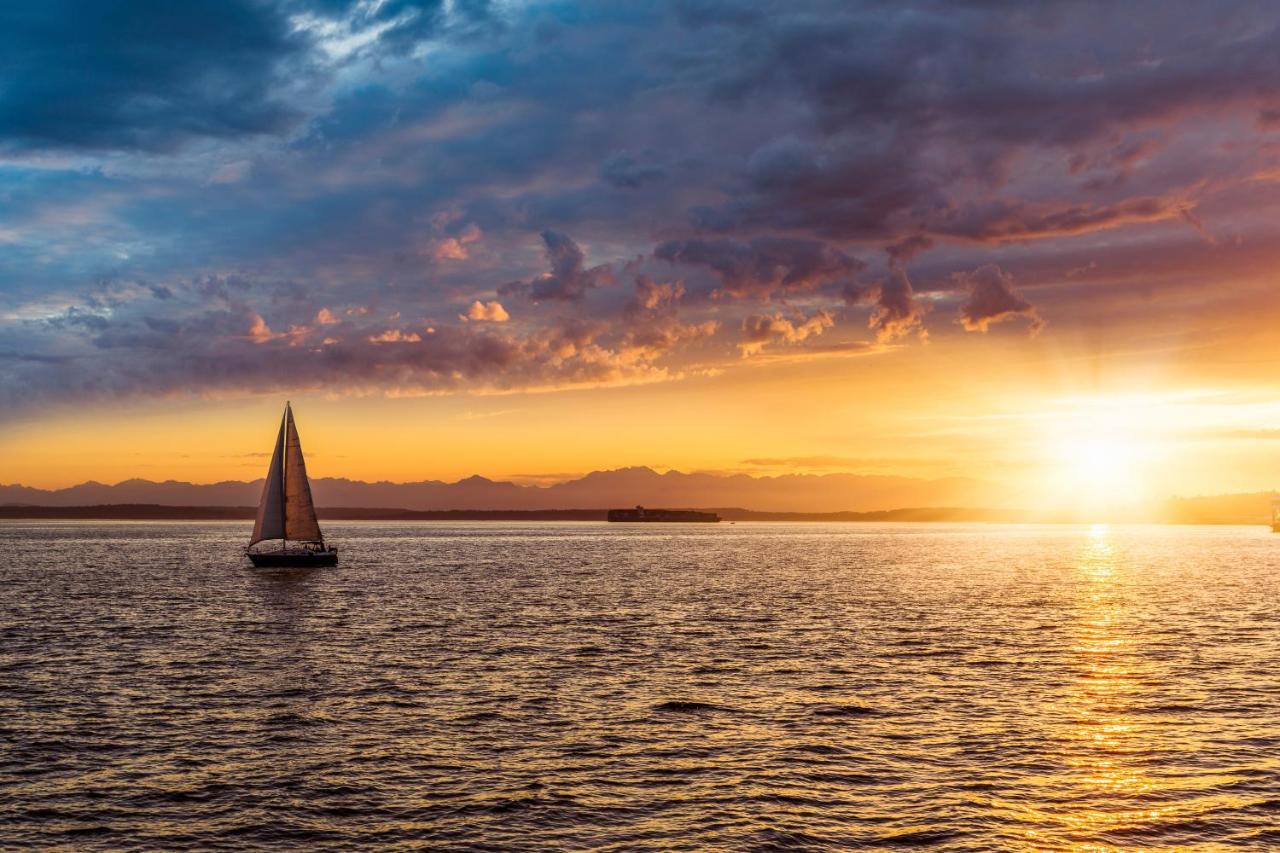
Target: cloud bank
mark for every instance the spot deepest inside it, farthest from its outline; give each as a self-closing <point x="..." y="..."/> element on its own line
<point x="417" y="197"/>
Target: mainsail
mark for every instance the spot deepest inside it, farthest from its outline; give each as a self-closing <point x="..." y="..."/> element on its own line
<point x="286" y="511"/>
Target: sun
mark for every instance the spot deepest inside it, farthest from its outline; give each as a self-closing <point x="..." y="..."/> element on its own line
<point x="1099" y="454"/>
<point x="1103" y="462"/>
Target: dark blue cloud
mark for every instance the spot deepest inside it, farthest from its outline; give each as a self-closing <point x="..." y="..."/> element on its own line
<point x="623" y="170"/>
<point x="145" y="75"/>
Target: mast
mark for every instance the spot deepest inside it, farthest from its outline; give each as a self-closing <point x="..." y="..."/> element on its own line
<point x="284" y="470"/>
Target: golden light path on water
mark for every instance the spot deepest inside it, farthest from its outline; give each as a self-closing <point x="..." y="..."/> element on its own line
<point x="1103" y="745"/>
<point x="587" y="686"/>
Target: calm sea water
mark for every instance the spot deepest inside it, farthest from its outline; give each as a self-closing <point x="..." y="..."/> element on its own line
<point x="585" y="686"/>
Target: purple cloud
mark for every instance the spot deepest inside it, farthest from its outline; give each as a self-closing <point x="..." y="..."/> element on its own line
<point x="992" y="299"/>
<point x="764" y="266"/>
<point x="569" y="278"/>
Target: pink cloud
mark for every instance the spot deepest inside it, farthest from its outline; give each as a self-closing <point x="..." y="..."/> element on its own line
<point x="759" y="330"/>
<point x="490" y="312"/>
<point x="455" y="248"/>
<point x="396" y="336"/>
<point x="449" y="249"/>
<point x="260" y="332"/>
<point x="651" y="295"/>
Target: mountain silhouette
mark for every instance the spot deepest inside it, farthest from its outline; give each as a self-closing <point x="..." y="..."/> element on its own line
<point x="599" y="489"/>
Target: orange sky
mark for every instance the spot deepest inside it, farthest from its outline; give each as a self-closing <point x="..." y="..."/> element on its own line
<point x="1019" y="411"/>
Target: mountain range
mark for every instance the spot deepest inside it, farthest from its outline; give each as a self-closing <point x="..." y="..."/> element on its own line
<point x="597" y="490"/>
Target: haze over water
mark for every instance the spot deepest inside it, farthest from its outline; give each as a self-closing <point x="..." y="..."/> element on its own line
<point x="492" y="686"/>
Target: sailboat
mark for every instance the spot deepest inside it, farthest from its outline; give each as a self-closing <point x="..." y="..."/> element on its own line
<point x="286" y="513"/>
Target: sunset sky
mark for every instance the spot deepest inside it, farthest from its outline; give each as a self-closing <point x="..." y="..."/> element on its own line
<point x="1031" y="243"/>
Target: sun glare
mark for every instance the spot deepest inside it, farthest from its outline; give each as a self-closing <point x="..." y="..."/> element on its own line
<point x="1100" y="461"/>
<point x="1100" y="454"/>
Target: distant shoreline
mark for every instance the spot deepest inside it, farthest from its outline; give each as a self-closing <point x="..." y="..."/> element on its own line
<point x="160" y="512"/>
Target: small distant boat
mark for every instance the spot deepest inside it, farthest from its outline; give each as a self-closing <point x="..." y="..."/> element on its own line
<point x="286" y="514"/>
<point x="677" y="515"/>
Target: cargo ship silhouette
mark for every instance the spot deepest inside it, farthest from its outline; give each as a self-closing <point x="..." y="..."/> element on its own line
<point x="642" y="514"/>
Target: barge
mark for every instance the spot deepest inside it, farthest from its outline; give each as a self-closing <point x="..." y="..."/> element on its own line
<point x="677" y="515"/>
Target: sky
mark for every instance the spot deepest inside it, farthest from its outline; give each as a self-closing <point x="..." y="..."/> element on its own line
<point x="1028" y="242"/>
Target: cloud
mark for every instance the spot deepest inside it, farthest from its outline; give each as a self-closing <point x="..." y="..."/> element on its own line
<point x="650" y="296"/>
<point x="764" y="266"/>
<point x="623" y="171"/>
<point x="991" y="299"/>
<point x="395" y="336"/>
<point x="491" y="312"/>
<point x="1004" y="221"/>
<point x="449" y="249"/>
<point x="569" y="278"/>
<point x="305" y="175"/>
<point x="650" y="319"/>
<point x="654" y="339"/>
<point x="896" y="313"/>
<point x="146" y="76"/>
<point x="908" y="247"/>
<point x="842" y="463"/>
<point x="838" y="189"/>
<point x="983" y="141"/>
<point x="259" y="331"/>
<point x="759" y="331"/>
<point x="455" y="248"/>
<point x="235" y="349"/>
<point x="401" y="26"/>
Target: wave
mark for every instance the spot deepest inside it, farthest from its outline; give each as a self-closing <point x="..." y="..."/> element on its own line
<point x="685" y="706"/>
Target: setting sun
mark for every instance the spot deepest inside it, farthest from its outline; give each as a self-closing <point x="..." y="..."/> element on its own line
<point x="1101" y="462"/>
<point x="1101" y="453"/>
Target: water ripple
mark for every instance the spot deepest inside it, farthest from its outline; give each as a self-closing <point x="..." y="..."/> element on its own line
<point x="585" y="686"/>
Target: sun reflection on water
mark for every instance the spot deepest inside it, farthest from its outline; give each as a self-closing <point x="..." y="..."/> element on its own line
<point x="1104" y="744"/>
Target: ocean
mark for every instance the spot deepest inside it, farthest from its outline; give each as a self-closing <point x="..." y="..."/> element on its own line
<point x="588" y="686"/>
